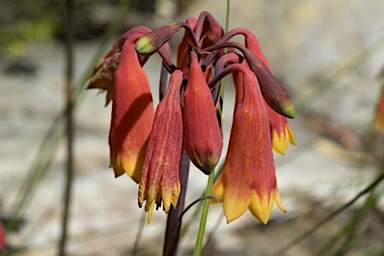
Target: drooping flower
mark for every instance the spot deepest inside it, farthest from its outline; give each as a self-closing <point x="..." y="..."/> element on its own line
<point x="160" y="176"/>
<point x="132" y="113"/>
<point x="202" y="135"/>
<point x="248" y="179"/>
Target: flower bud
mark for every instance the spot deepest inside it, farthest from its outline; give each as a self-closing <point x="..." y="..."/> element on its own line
<point x="152" y="41"/>
<point x="202" y="134"/>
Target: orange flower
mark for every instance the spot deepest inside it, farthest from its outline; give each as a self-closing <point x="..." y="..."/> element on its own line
<point x="248" y="179"/>
<point x="132" y="113"/>
<point x="160" y="176"/>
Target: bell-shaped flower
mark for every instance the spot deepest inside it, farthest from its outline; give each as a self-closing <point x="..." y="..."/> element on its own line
<point x="248" y="179"/>
<point x="202" y="134"/>
<point x="103" y="72"/>
<point x="160" y="175"/>
<point x="132" y="113"/>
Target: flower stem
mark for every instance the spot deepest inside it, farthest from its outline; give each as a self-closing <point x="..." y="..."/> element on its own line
<point x="204" y="215"/>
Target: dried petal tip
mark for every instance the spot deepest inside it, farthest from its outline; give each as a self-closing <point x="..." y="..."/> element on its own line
<point x="152" y="41"/>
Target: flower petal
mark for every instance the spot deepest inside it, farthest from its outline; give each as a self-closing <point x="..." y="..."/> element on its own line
<point x="132" y="114"/>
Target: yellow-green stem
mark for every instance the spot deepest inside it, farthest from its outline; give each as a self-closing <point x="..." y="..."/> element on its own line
<point x="204" y="215"/>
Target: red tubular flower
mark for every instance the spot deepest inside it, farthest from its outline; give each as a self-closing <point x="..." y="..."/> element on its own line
<point x="132" y="113"/>
<point x="160" y="176"/>
<point x="248" y="179"/>
<point x="202" y="135"/>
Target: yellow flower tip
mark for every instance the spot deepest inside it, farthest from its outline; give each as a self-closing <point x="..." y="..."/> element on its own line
<point x="290" y="134"/>
<point x="277" y="199"/>
<point x="217" y="191"/>
<point x="150" y="211"/>
<point x="170" y="198"/>
<point x="144" y="45"/>
<point x="131" y="164"/>
<point x="280" y="142"/>
<point x="117" y="165"/>
<point x="261" y="208"/>
<point x="234" y="206"/>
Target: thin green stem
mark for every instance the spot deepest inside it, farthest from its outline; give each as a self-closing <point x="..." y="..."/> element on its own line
<point x="227" y="16"/>
<point x="222" y="85"/>
<point x="204" y="215"/>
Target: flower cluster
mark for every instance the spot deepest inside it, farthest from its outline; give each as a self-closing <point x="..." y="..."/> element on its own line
<point x="148" y="144"/>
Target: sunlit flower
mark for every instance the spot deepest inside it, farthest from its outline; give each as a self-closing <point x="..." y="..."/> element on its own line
<point x="148" y="146"/>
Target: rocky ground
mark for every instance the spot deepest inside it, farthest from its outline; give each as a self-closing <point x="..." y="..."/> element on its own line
<point x="306" y="42"/>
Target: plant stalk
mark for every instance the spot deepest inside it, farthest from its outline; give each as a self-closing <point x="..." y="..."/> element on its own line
<point x="69" y="126"/>
<point x="172" y="232"/>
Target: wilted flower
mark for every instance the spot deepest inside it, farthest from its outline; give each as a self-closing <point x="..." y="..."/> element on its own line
<point x="186" y="116"/>
<point x="160" y="176"/>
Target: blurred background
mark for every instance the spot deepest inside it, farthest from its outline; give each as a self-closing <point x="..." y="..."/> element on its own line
<point x="328" y="54"/>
